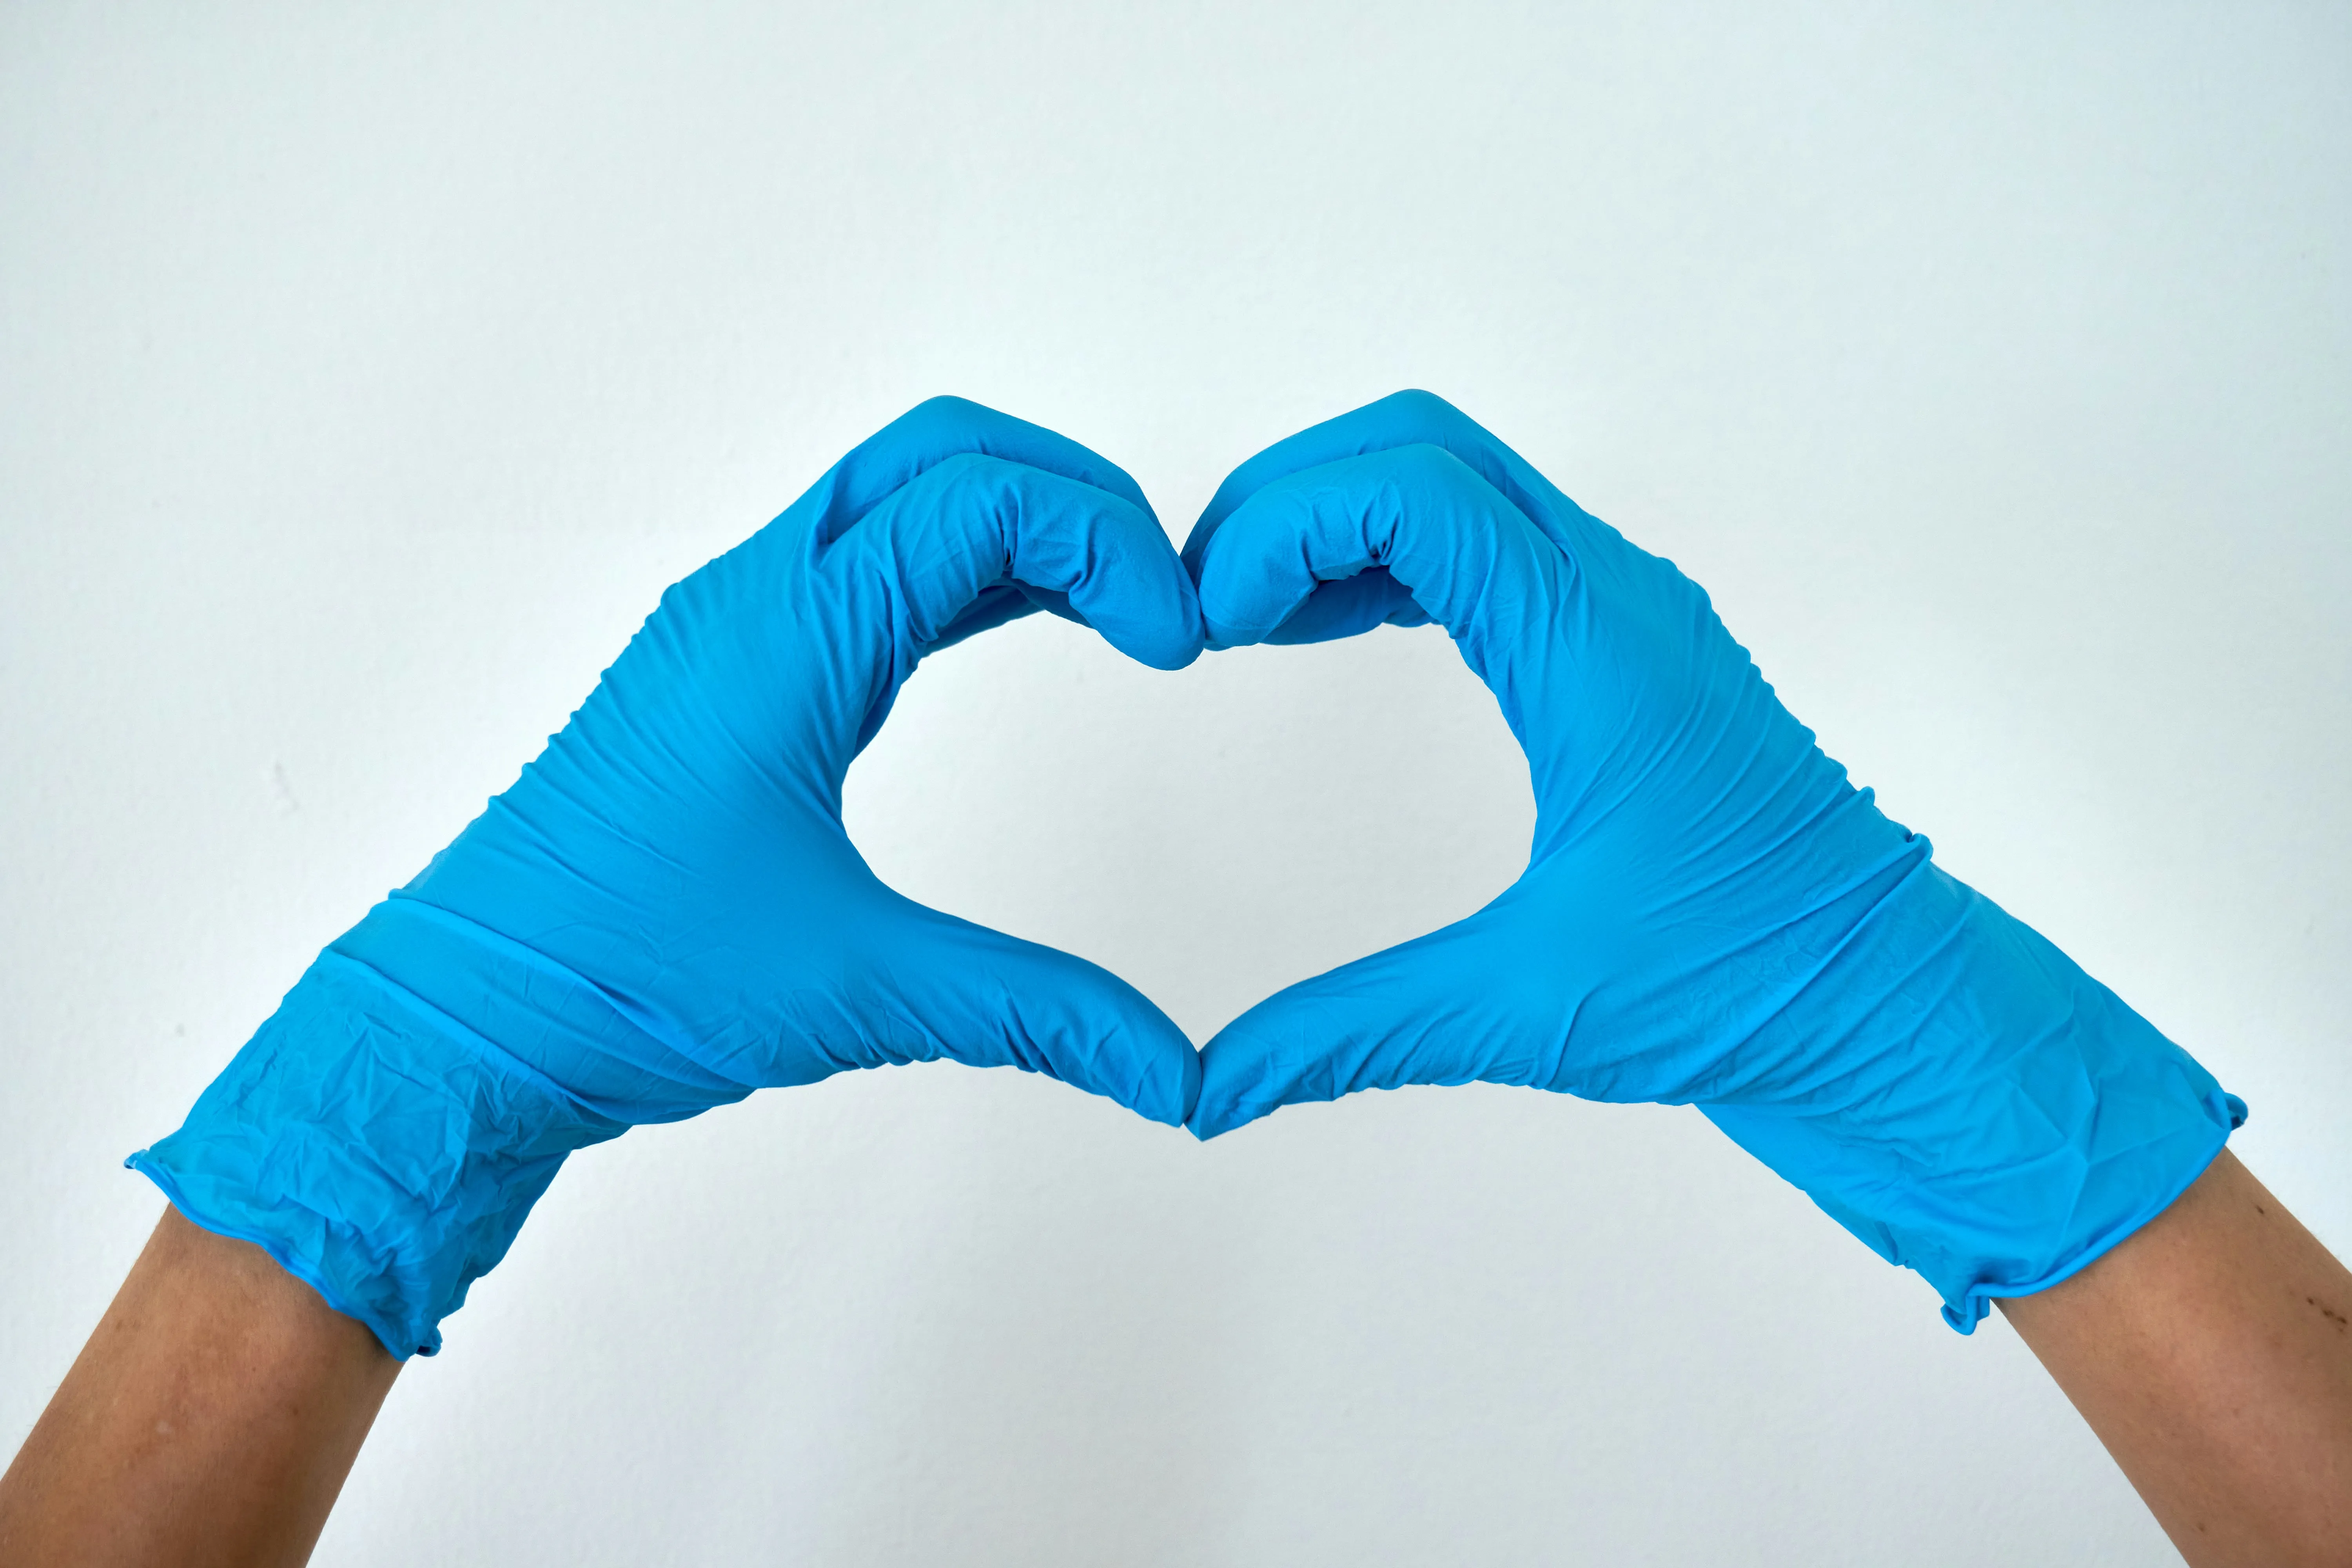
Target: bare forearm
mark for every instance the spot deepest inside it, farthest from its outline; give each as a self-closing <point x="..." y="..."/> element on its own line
<point x="210" y="1420"/>
<point x="2212" y="1354"/>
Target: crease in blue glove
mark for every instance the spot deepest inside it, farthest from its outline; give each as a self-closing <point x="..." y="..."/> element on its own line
<point x="1712" y="913"/>
<point x="664" y="913"/>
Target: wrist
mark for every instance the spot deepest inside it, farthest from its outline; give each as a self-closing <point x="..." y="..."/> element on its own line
<point x="377" y="1150"/>
<point x="1988" y="1115"/>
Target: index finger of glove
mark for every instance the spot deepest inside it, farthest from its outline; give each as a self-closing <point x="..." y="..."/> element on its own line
<point x="969" y="522"/>
<point x="1468" y="557"/>
<point x="940" y="428"/>
<point x="1410" y="418"/>
<point x="1476" y="1001"/>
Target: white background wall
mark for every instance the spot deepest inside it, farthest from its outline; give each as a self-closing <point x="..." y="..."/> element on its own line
<point x="366" y="372"/>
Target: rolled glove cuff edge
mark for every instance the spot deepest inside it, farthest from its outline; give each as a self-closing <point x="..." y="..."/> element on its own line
<point x="1970" y="1311"/>
<point x="402" y="1345"/>
<point x="371" y="1150"/>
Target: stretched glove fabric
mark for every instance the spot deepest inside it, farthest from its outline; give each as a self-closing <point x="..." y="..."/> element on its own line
<point x="1712" y="914"/>
<point x="664" y="912"/>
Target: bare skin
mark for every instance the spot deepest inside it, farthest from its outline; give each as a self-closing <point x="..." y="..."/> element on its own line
<point x="214" y="1414"/>
<point x="210" y="1421"/>
<point x="2212" y="1354"/>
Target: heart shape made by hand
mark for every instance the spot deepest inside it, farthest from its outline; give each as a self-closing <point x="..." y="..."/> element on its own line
<point x="1712" y="913"/>
<point x="664" y="912"/>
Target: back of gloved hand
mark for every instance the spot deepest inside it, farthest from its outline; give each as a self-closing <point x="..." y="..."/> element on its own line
<point x="1711" y="914"/>
<point x="664" y="912"/>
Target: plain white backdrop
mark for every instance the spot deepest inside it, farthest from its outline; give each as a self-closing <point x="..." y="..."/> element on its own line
<point x="366" y="372"/>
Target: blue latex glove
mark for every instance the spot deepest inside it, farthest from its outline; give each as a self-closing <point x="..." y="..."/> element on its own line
<point x="1712" y="914"/>
<point x="664" y="912"/>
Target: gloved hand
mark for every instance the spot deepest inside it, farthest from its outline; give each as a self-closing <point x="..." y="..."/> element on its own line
<point x="1711" y="914"/>
<point x="664" y="912"/>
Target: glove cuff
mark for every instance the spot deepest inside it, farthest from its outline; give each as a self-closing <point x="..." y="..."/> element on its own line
<point x="2010" y="1120"/>
<point x="380" y="1149"/>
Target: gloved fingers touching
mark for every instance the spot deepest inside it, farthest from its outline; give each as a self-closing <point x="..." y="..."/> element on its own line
<point x="915" y="984"/>
<point x="1468" y="557"/>
<point x="1461" y="1004"/>
<point x="934" y="432"/>
<point x="1409" y="418"/>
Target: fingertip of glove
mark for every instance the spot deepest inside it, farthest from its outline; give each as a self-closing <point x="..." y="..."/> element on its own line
<point x="1188" y="1096"/>
<point x="945" y="406"/>
<point x="1213" y="1111"/>
<point x="1152" y="613"/>
<point x="1202" y="1127"/>
<point x="1414" y="402"/>
<point x="1171" y="656"/>
<point x="1223" y="636"/>
<point x="1206" y="1122"/>
<point x="1191" y="1093"/>
<point x="1162" y="1082"/>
